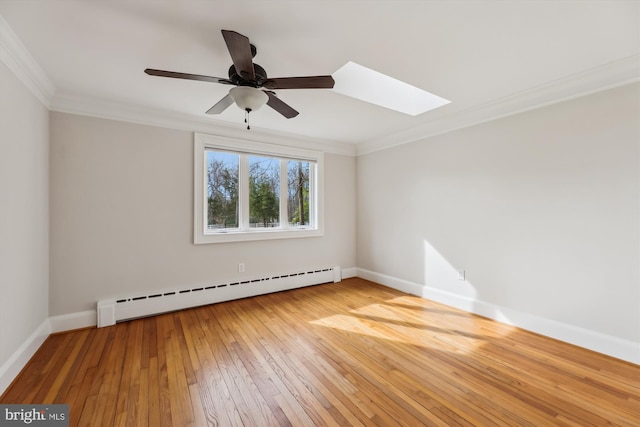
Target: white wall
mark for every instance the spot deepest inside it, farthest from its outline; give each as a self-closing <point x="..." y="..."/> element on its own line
<point x="541" y="209"/>
<point x="24" y="223"/>
<point x="122" y="217"/>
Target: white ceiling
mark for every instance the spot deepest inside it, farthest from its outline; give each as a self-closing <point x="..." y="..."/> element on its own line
<point x="479" y="54"/>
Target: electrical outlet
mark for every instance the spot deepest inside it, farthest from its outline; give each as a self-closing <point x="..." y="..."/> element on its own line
<point x="461" y="275"/>
<point x="241" y="267"/>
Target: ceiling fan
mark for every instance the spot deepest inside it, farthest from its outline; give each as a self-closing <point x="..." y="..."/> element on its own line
<point x="252" y="88"/>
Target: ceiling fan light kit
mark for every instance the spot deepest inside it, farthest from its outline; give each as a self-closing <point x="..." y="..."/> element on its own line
<point x="249" y="79"/>
<point x="248" y="98"/>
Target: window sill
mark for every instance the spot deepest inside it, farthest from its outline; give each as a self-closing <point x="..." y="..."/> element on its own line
<point x="253" y="235"/>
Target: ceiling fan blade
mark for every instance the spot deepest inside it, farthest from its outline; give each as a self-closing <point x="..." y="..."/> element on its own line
<point x="221" y="105"/>
<point x="176" y="75"/>
<point x="240" y="51"/>
<point x="280" y="106"/>
<point x="310" y="82"/>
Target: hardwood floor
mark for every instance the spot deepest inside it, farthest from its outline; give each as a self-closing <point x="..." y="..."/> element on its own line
<point x="349" y="353"/>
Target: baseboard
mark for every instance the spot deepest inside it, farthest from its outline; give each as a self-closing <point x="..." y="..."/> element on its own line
<point x="592" y="340"/>
<point x="349" y="272"/>
<point x="68" y="322"/>
<point x="12" y="367"/>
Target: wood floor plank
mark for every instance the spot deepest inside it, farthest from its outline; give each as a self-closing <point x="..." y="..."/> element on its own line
<point x="84" y="377"/>
<point x="50" y="373"/>
<point x="163" y="333"/>
<point x="73" y="370"/>
<point x="350" y="353"/>
<point x="130" y="372"/>
<point x="153" y="394"/>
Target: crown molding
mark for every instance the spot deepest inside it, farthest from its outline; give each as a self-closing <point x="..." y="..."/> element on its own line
<point x="105" y="109"/>
<point x="17" y="58"/>
<point x="608" y="76"/>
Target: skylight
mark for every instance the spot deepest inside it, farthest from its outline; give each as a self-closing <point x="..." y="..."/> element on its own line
<point x="367" y="85"/>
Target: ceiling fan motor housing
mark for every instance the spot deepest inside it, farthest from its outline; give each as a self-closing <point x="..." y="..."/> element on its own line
<point x="238" y="80"/>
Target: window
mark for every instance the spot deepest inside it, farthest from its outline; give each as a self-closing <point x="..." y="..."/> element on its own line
<point x="253" y="191"/>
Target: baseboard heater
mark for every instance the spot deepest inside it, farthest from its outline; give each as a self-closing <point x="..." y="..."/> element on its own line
<point x="115" y="310"/>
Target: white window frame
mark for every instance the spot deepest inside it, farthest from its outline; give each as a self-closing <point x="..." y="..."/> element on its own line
<point x="201" y="233"/>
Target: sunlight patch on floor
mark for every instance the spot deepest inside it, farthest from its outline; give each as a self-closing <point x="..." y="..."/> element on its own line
<point x="354" y="325"/>
<point x="412" y="321"/>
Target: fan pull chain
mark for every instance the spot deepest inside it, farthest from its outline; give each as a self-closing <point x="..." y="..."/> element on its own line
<point x="246" y="118"/>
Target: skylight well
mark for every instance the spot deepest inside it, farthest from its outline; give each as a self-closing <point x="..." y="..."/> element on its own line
<point x="365" y="84"/>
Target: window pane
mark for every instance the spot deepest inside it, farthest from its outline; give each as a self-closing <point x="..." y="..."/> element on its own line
<point x="222" y="190"/>
<point x="298" y="190"/>
<point x="264" y="192"/>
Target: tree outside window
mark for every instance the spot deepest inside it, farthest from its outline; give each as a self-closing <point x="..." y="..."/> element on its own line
<point x="298" y="189"/>
<point x="264" y="191"/>
<point x="222" y="188"/>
